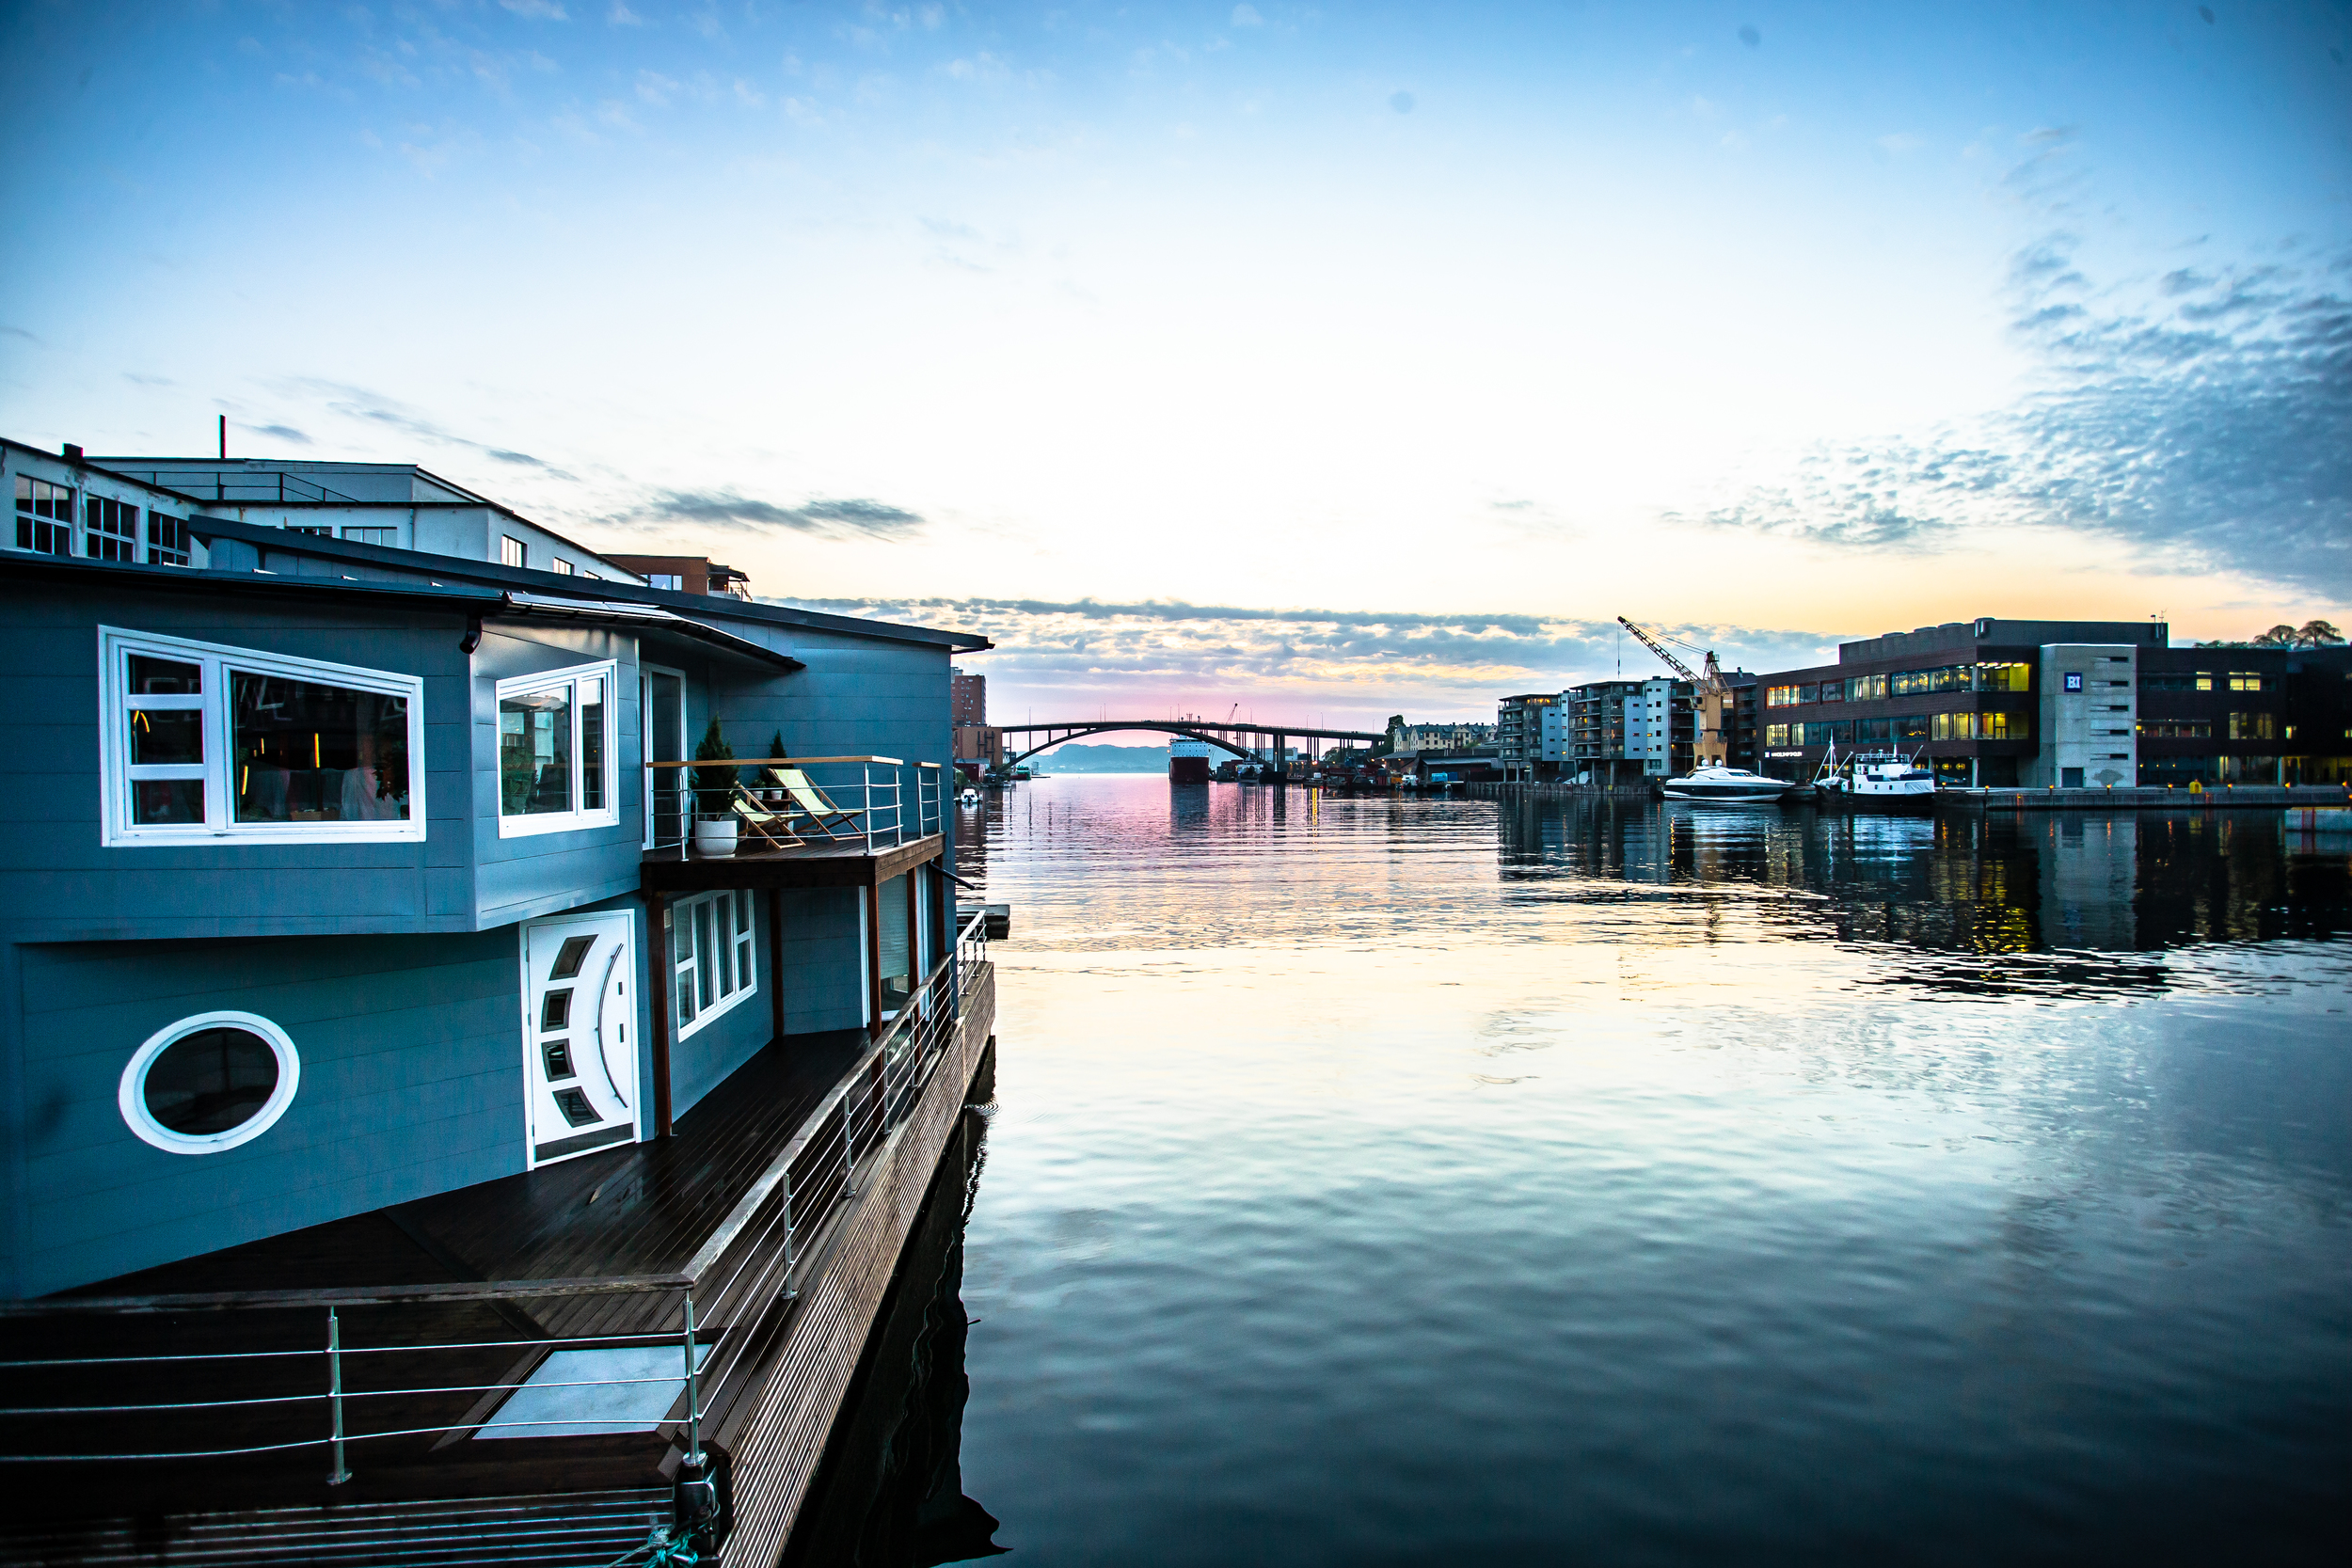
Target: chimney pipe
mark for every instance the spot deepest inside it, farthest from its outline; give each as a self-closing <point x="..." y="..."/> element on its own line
<point x="224" y="437"/>
<point x="72" y="452"/>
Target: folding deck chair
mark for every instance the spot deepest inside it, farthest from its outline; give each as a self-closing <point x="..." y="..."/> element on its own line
<point x="762" y="823"/>
<point x="834" y="822"/>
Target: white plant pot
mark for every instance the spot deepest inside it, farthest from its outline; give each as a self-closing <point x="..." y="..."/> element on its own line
<point x="715" y="836"/>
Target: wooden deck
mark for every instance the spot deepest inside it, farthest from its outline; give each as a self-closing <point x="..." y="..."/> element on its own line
<point x="427" y="1493"/>
<point x="818" y="864"/>
<point x="639" y="1210"/>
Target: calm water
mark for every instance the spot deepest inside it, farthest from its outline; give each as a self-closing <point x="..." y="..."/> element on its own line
<point x="1387" y="1183"/>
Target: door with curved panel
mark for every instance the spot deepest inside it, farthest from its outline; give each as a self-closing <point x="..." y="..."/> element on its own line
<point x="579" y="1034"/>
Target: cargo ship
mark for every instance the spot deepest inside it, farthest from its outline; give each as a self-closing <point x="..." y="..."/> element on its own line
<point x="1187" y="761"/>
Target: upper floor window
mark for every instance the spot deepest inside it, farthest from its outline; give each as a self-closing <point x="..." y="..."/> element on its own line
<point x="112" y="530"/>
<point x="389" y="538"/>
<point x="2005" y="675"/>
<point x="44" y="516"/>
<point x="560" y="566"/>
<point x="670" y="580"/>
<point x="556" y="751"/>
<point x="166" y="539"/>
<point x="203" y="742"/>
<point x="511" y="550"/>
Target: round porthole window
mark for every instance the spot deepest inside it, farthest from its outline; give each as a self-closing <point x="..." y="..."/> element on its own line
<point x="209" y="1083"/>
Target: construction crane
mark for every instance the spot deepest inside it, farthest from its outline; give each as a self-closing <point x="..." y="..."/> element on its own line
<point x="1714" y="693"/>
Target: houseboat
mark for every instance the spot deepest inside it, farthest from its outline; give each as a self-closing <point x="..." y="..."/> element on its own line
<point x="422" y="1145"/>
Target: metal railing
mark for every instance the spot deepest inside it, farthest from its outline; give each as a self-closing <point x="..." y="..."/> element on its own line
<point x="333" y="1396"/>
<point x="927" y="797"/>
<point x="854" y="801"/>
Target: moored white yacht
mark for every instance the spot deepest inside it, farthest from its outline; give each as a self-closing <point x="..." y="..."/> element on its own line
<point x="1716" y="781"/>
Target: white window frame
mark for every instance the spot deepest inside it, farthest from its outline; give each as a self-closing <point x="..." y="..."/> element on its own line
<point x="130" y="1096"/>
<point x="607" y="815"/>
<point x="699" y="966"/>
<point x="117" y="829"/>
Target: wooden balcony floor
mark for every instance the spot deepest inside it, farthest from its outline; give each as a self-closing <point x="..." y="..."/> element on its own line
<point x="816" y="863"/>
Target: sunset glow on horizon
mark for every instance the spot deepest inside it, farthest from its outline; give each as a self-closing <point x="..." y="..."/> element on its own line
<point x="1341" y="361"/>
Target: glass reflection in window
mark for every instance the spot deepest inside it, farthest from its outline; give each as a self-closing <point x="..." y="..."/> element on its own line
<point x="307" y="752"/>
<point x="535" y="751"/>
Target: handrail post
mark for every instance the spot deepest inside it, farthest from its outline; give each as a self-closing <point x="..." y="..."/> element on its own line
<point x="694" y="1392"/>
<point x="335" y="1394"/>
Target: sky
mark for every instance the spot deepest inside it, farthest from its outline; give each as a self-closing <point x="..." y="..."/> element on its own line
<point x="1333" y="361"/>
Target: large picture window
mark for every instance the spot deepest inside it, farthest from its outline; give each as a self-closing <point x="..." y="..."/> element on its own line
<point x="710" y="954"/>
<point x="555" y="751"/>
<point x="204" y="742"/>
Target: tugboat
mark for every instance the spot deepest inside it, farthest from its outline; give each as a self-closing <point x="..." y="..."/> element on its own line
<point x="1880" y="782"/>
<point x="1717" y="783"/>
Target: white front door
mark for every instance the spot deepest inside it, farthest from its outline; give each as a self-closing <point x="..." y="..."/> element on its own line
<point x="580" y="1046"/>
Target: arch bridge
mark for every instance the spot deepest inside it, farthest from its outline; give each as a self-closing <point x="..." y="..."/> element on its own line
<point x="1274" y="736"/>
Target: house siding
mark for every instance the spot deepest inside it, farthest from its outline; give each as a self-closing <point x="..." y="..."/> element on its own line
<point x="411" y="1085"/>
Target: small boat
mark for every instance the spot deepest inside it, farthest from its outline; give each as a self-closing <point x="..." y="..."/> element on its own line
<point x="1720" y="783"/>
<point x="1882" y="781"/>
<point x="969" y="798"/>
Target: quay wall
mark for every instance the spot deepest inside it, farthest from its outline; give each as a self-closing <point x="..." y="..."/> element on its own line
<point x="779" y="1444"/>
<point x="2265" y="796"/>
<point x="2268" y="796"/>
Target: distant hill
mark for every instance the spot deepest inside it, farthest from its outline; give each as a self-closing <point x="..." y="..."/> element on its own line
<point x="1101" y="759"/>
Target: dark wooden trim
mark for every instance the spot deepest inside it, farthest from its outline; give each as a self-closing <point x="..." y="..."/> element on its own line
<point x="914" y="936"/>
<point x="775" y="960"/>
<point x="871" y="898"/>
<point x="661" y="973"/>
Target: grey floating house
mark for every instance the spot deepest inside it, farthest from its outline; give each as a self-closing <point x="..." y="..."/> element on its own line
<point x="442" y="1122"/>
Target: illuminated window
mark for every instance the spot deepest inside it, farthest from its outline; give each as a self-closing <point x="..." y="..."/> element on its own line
<point x="203" y="743"/>
<point x="2245" y="680"/>
<point x="2253" y="727"/>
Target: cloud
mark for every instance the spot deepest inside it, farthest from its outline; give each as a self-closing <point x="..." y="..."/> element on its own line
<point x="538" y="10"/>
<point x="2203" y="421"/>
<point x="838" y="520"/>
<point x="284" y="433"/>
<point x="1340" y="658"/>
<point x="356" y="403"/>
<point x="1247" y="16"/>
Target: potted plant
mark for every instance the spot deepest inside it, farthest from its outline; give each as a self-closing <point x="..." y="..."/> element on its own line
<point x="775" y="748"/>
<point x="714" y="794"/>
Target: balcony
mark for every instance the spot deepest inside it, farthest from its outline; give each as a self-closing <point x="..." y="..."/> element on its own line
<point x="850" y="821"/>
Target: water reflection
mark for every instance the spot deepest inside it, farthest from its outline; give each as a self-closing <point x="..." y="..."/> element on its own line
<point x="1413" y="1182"/>
<point x="2050" y="883"/>
<point x="890" y="1491"/>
